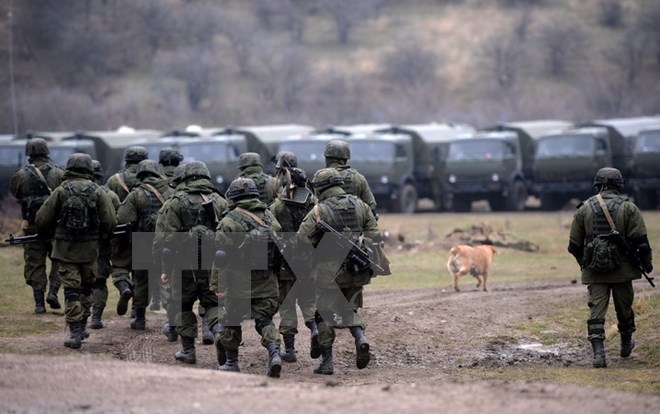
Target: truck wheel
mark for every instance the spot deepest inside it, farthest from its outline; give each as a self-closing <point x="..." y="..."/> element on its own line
<point x="646" y="200"/>
<point x="407" y="199"/>
<point x="551" y="202"/>
<point x="461" y="204"/>
<point x="517" y="197"/>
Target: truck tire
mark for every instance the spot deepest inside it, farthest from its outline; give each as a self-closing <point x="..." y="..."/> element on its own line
<point x="646" y="200"/>
<point x="407" y="202"/>
<point x="517" y="197"/>
<point x="461" y="204"/>
<point x="551" y="202"/>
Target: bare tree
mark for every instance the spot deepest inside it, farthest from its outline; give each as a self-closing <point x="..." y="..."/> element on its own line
<point x="273" y="14"/>
<point x="521" y="27"/>
<point x="629" y="55"/>
<point x="347" y="14"/>
<point x="410" y="65"/>
<point x="239" y="28"/>
<point x="155" y="22"/>
<point x="606" y="93"/>
<point x="564" y="41"/>
<point x="195" y="69"/>
<point x="611" y="13"/>
<point x="648" y="20"/>
<point x="505" y="57"/>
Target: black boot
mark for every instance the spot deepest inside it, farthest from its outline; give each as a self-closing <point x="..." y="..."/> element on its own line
<point x="207" y="335"/>
<point x="97" y="314"/>
<point x="274" y="360"/>
<point x="39" y="303"/>
<point x="133" y="311"/>
<point x="52" y="300"/>
<point x="170" y="332"/>
<point x="289" y="354"/>
<point x="219" y="349"/>
<point x="314" y="348"/>
<point x="155" y="304"/>
<point x="84" y="334"/>
<point x="231" y="364"/>
<point x="627" y="344"/>
<point x="140" y="321"/>
<point x="125" y="294"/>
<point x="599" y="353"/>
<point x="326" y="367"/>
<point x="75" y="339"/>
<point x="361" y="347"/>
<point x="187" y="353"/>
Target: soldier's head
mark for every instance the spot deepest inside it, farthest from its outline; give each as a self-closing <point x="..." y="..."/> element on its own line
<point x="337" y="150"/>
<point x="135" y="154"/>
<point x="147" y="168"/>
<point x="249" y="159"/>
<point x="36" y="147"/>
<point x="195" y="170"/>
<point x="80" y="163"/>
<point x="170" y="156"/>
<point x="326" y="178"/>
<point x="98" y="170"/>
<point x="608" y="178"/>
<point x="285" y="156"/>
<point x="242" y="188"/>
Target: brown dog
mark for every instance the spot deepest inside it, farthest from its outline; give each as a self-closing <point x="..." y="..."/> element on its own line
<point x="465" y="259"/>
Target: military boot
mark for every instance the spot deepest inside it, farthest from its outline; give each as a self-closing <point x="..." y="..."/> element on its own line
<point x="289" y="354"/>
<point x="75" y="339"/>
<point x="170" y="332"/>
<point x="125" y="294"/>
<point x="219" y="349"/>
<point x="599" y="353"/>
<point x="84" y="334"/>
<point x="231" y="364"/>
<point x="97" y="314"/>
<point x="274" y="360"/>
<point x="187" y="354"/>
<point x="155" y="304"/>
<point x="314" y="348"/>
<point x="140" y="321"/>
<point x="326" y="367"/>
<point x="361" y="347"/>
<point x="627" y="344"/>
<point x="52" y="300"/>
<point x="39" y="303"/>
<point x="207" y="335"/>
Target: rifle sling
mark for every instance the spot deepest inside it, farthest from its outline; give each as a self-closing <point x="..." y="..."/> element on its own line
<point x="122" y="183"/>
<point x="252" y="215"/>
<point x="606" y="211"/>
<point x="206" y="199"/>
<point x="155" y="192"/>
<point x="41" y="177"/>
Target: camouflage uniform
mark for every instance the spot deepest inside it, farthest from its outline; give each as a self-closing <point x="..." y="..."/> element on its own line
<point x="169" y="158"/>
<point x="31" y="185"/>
<point x="122" y="183"/>
<point x="339" y="291"/>
<point x="291" y="206"/>
<point x="79" y="212"/>
<point x="100" y="288"/>
<point x="250" y="167"/>
<point x="140" y="209"/>
<point x="337" y="153"/>
<point x="183" y="224"/>
<point x="589" y="222"/>
<point x="249" y="293"/>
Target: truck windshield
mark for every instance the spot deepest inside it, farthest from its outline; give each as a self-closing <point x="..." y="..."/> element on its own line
<point x="208" y="152"/>
<point x="565" y="146"/>
<point x="648" y="142"/>
<point x="305" y="150"/>
<point x="12" y="156"/>
<point x="373" y="151"/>
<point x="472" y="149"/>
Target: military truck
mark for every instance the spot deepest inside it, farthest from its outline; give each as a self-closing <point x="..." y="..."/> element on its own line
<point x="644" y="169"/>
<point x="495" y="164"/>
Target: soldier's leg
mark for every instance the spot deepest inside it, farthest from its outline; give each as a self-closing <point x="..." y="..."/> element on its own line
<point x="326" y="300"/>
<point x="34" y="272"/>
<point x="140" y="296"/>
<point x="186" y="320"/>
<point x="100" y="291"/>
<point x="304" y="292"/>
<point x="288" y="319"/>
<point x="207" y="300"/>
<point x="121" y="273"/>
<point x="87" y="278"/>
<point x="599" y="297"/>
<point x="53" y="282"/>
<point x="263" y="310"/>
<point x="214" y="312"/>
<point x="349" y="313"/>
<point x="154" y="291"/>
<point x="623" y="296"/>
<point x="231" y="334"/>
<point x="73" y="309"/>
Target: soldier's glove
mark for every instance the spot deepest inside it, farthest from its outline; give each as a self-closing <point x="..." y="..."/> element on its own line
<point x="648" y="268"/>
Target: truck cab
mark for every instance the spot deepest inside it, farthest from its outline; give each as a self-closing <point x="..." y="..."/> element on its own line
<point x="644" y="167"/>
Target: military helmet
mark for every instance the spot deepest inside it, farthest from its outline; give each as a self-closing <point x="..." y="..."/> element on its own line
<point x="177" y="176"/>
<point x="147" y="167"/>
<point x="610" y="177"/>
<point x="242" y="188"/>
<point x="249" y="159"/>
<point x="135" y="154"/>
<point x="287" y="156"/>
<point x="337" y="148"/>
<point x="97" y="168"/>
<point x="79" y="161"/>
<point x="170" y="156"/>
<point x="326" y="178"/>
<point x="195" y="169"/>
<point x="36" y="146"/>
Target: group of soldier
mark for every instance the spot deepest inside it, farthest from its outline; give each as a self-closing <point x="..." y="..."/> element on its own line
<point x="180" y="212"/>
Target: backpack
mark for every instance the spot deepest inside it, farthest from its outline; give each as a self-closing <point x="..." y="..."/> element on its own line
<point x="258" y="233"/>
<point x="78" y="217"/>
<point x="601" y="253"/>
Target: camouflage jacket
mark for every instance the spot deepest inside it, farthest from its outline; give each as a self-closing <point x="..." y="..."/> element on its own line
<point x="127" y="177"/>
<point x="266" y="184"/>
<point x="356" y="184"/>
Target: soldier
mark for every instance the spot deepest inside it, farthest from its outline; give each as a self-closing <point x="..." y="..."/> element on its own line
<point x="79" y="212"/>
<point x="140" y="210"/>
<point x="289" y="208"/>
<point x="31" y="186"/>
<point x="100" y="288"/>
<point x="121" y="183"/>
<point x="344" y="213"/>
<point x="249" y="290"/>
<point x="337" y="153"/>
<point x="250" y="166"/>
<point x="605" y="267"/>
<point x="169" y="158"/>
<point x="184" y="213"/>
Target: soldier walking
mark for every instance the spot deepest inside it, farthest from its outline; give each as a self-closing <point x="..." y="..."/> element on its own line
<point x="169" y="158"/>
<point x="250" y="166"/>
<point x="337" y="153"/>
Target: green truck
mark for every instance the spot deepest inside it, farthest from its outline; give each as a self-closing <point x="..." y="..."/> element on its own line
<point x="644" y="168"/>
<point x="495" y="164"/>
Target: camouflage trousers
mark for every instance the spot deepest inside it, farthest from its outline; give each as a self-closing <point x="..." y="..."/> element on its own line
<point x="121" y="261"/>
<point x="100" y="288"/>
<point x="188" y="287"/>
<point x="35" y="255"/>
<point x="77" y="280"/>
<point x="345" y="305"/>
<point x="261" y="310"/>
<point x="623" y="296"/>
<point x="292" y="291"/>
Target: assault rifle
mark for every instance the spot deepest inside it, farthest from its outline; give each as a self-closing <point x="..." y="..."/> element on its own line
<point x="358" y="258"/>
<point x="620" y="241"/>
<point x="120" y="230"/>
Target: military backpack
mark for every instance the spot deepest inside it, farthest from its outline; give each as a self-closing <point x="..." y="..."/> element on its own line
<point x="79" y="217"/>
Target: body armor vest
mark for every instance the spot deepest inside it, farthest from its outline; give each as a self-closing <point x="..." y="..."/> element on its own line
<point x="260" y="180"/>
<point x="341" y="213"/>
<point x="149" y="211"/>
<point x="599" y="221"/>
<point x="36" y="190"/>
<point x="349" y="180"/>
<point x="192" y="212"/>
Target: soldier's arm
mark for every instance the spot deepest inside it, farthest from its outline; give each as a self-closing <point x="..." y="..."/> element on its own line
<point x="637" y="236"/>
<point x="370" y="227"/>
<point x="15" y="186"/>
<point x="308" y="224"/>
<point x="127" y="212"/>
<point x="106" y="212"/>
<point x="364" y="192"/>
<point x="220" y="276"/>
<point x="577" y="234"/>
<point x="46" y="219"/>
<point x="55" y="176"/>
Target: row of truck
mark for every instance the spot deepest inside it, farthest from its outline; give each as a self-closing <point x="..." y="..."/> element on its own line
<point x="513" y="166"/>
